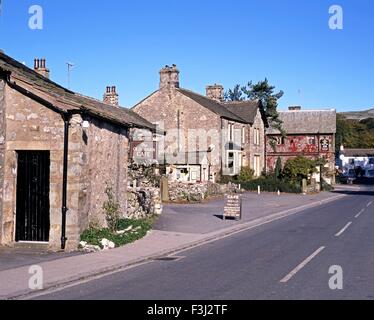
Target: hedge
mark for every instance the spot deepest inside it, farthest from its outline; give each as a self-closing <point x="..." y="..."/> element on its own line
<point x="270" y="184"/>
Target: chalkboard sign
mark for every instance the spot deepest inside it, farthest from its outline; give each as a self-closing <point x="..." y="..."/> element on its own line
<point x="233" y="207"/>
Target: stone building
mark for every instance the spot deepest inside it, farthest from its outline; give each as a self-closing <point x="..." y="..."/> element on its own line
<point x="58" y="152"/>
<point x="205" y="136"/>
<point x="310" y="133"/>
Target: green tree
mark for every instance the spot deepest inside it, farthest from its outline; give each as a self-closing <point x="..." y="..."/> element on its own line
<point x="265" y="93"/>
<point x="300" y="168"/>
<point x="278" y="168"/>
<point x="246" y="174"/>
<point x="235" y="94"/>
<point x="354" y="133"/>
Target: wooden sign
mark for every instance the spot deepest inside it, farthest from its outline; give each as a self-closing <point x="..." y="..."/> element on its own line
<point x="233" y="207"/>
<point x="142" y="151"/>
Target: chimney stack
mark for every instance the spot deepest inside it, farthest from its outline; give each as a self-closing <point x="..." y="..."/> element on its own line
<point x="215" y="92"/>
<point x="294" y="108"/>
<point x="169" y="77"/>
<point x="40" y="67"/>
<point x="111" y="96"/>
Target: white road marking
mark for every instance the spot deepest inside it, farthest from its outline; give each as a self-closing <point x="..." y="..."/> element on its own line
<point x="369" y="204"/>
<point x="360" y="213"/>
<point x="301" y="265"/>
<point x="343" y="230"/>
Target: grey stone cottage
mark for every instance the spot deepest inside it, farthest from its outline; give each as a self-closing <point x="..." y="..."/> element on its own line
<point x="58" y="151"/>
<point x="206" y="136"/>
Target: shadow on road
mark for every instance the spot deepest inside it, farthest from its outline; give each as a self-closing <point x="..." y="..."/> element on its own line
<point x="366" y="189"/>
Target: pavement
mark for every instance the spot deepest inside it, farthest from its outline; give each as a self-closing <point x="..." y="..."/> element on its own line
<point x="180" y="228"/>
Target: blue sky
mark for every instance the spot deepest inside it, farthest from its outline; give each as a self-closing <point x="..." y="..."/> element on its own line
<point x="125" y="43"/>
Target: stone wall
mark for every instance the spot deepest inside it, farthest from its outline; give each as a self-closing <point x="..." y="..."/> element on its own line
<point x="301" y="145"/>
<point x="164" y="106"/>
<point x="2" y="148"/>
<point x="257" y="150"/>
<point x="198" y="192"/>
<point x="143" y="192"/>
<point x="105" y="157"/>
<point x="31" y="126"/>
<point x="97" y="155"/>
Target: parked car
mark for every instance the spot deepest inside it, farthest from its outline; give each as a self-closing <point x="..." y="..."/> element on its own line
<point x="348" y="177"/>
<point x="369" y="173"/>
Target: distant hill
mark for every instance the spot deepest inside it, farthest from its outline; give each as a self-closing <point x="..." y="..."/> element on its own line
<point x="359" y="115"/>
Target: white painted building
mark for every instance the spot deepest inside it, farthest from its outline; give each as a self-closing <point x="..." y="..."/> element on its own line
<point x="354" y="158"/>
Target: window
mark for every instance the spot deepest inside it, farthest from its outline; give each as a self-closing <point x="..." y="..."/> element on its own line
<point x="231" y="132"/>
<point x="371" y="161"/>
<point x="257" y="165"/>
<point x="231" y="160"/>
<point x="256" y="137"/>
<point x="243" y="135"/>
<point x="351" y="161"/>
<point x="312" y="141"/>
<point x="280" y="141"/>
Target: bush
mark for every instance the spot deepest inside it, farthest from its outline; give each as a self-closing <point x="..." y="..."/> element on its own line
<point x="299" y="168"/>
<point x="139" y="230"/>
<point x="327" y="187"/>
<point x="246" y="174"/>
<point x="111" y="208"/>
<point x="228" y="179"/>
<point x="269" y="184"/>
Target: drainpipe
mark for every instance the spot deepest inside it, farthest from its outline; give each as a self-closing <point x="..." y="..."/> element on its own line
<point x="66" y="117"/>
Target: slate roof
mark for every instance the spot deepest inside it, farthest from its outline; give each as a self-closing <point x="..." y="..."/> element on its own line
<point x="247" y="110"/>
<point x="307" y="122"/>
<point x="358" y="152"/>
<point x="66" y="100"/>
<point x="213" y="105"/>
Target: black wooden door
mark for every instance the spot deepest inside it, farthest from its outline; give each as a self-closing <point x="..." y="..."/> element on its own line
<point x="32" y="215"/>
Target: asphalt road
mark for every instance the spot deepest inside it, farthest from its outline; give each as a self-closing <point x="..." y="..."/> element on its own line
<point x="287" y="259"/>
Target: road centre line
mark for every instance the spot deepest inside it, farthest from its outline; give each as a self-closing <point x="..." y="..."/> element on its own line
<point x="360" y="213"/>
<point x="302" y="265"/>
<point x="343" y="230"/>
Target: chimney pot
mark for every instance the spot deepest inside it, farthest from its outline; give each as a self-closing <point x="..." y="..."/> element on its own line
<point x="111" y="96"/>
<point x="215" y="92"/>
<point x="40" y="67"/>
<point x="169" y="77"/>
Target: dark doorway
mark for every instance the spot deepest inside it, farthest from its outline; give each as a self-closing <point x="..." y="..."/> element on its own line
<point x="32" y="215"/>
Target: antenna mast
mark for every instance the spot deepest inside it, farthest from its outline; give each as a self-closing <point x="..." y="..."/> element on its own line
<point x="70" y="66"/>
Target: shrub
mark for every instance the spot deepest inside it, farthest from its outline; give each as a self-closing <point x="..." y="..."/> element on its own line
<point x="228" y="179"/>
<point x="246" y="174"/>
<point x="111" y="208"/>
<point x="327" y="187"/>
<point x="278" y="168"/>
<point x="299" y="168"/>
<point x="139" y="229"/>
<point x="269" y="184"/>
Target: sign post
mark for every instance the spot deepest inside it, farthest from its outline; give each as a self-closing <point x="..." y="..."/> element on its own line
<point x="233" y="207"/>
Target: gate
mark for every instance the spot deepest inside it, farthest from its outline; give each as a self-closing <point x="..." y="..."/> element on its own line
<point x="32" y="211"/>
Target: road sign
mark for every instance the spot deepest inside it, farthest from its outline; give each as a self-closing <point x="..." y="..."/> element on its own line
<point x="233" y="207"/>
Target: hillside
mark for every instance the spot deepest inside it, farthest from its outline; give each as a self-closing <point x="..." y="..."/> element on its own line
<point x="359" y="115"/>
<point x="353" y="133"/>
